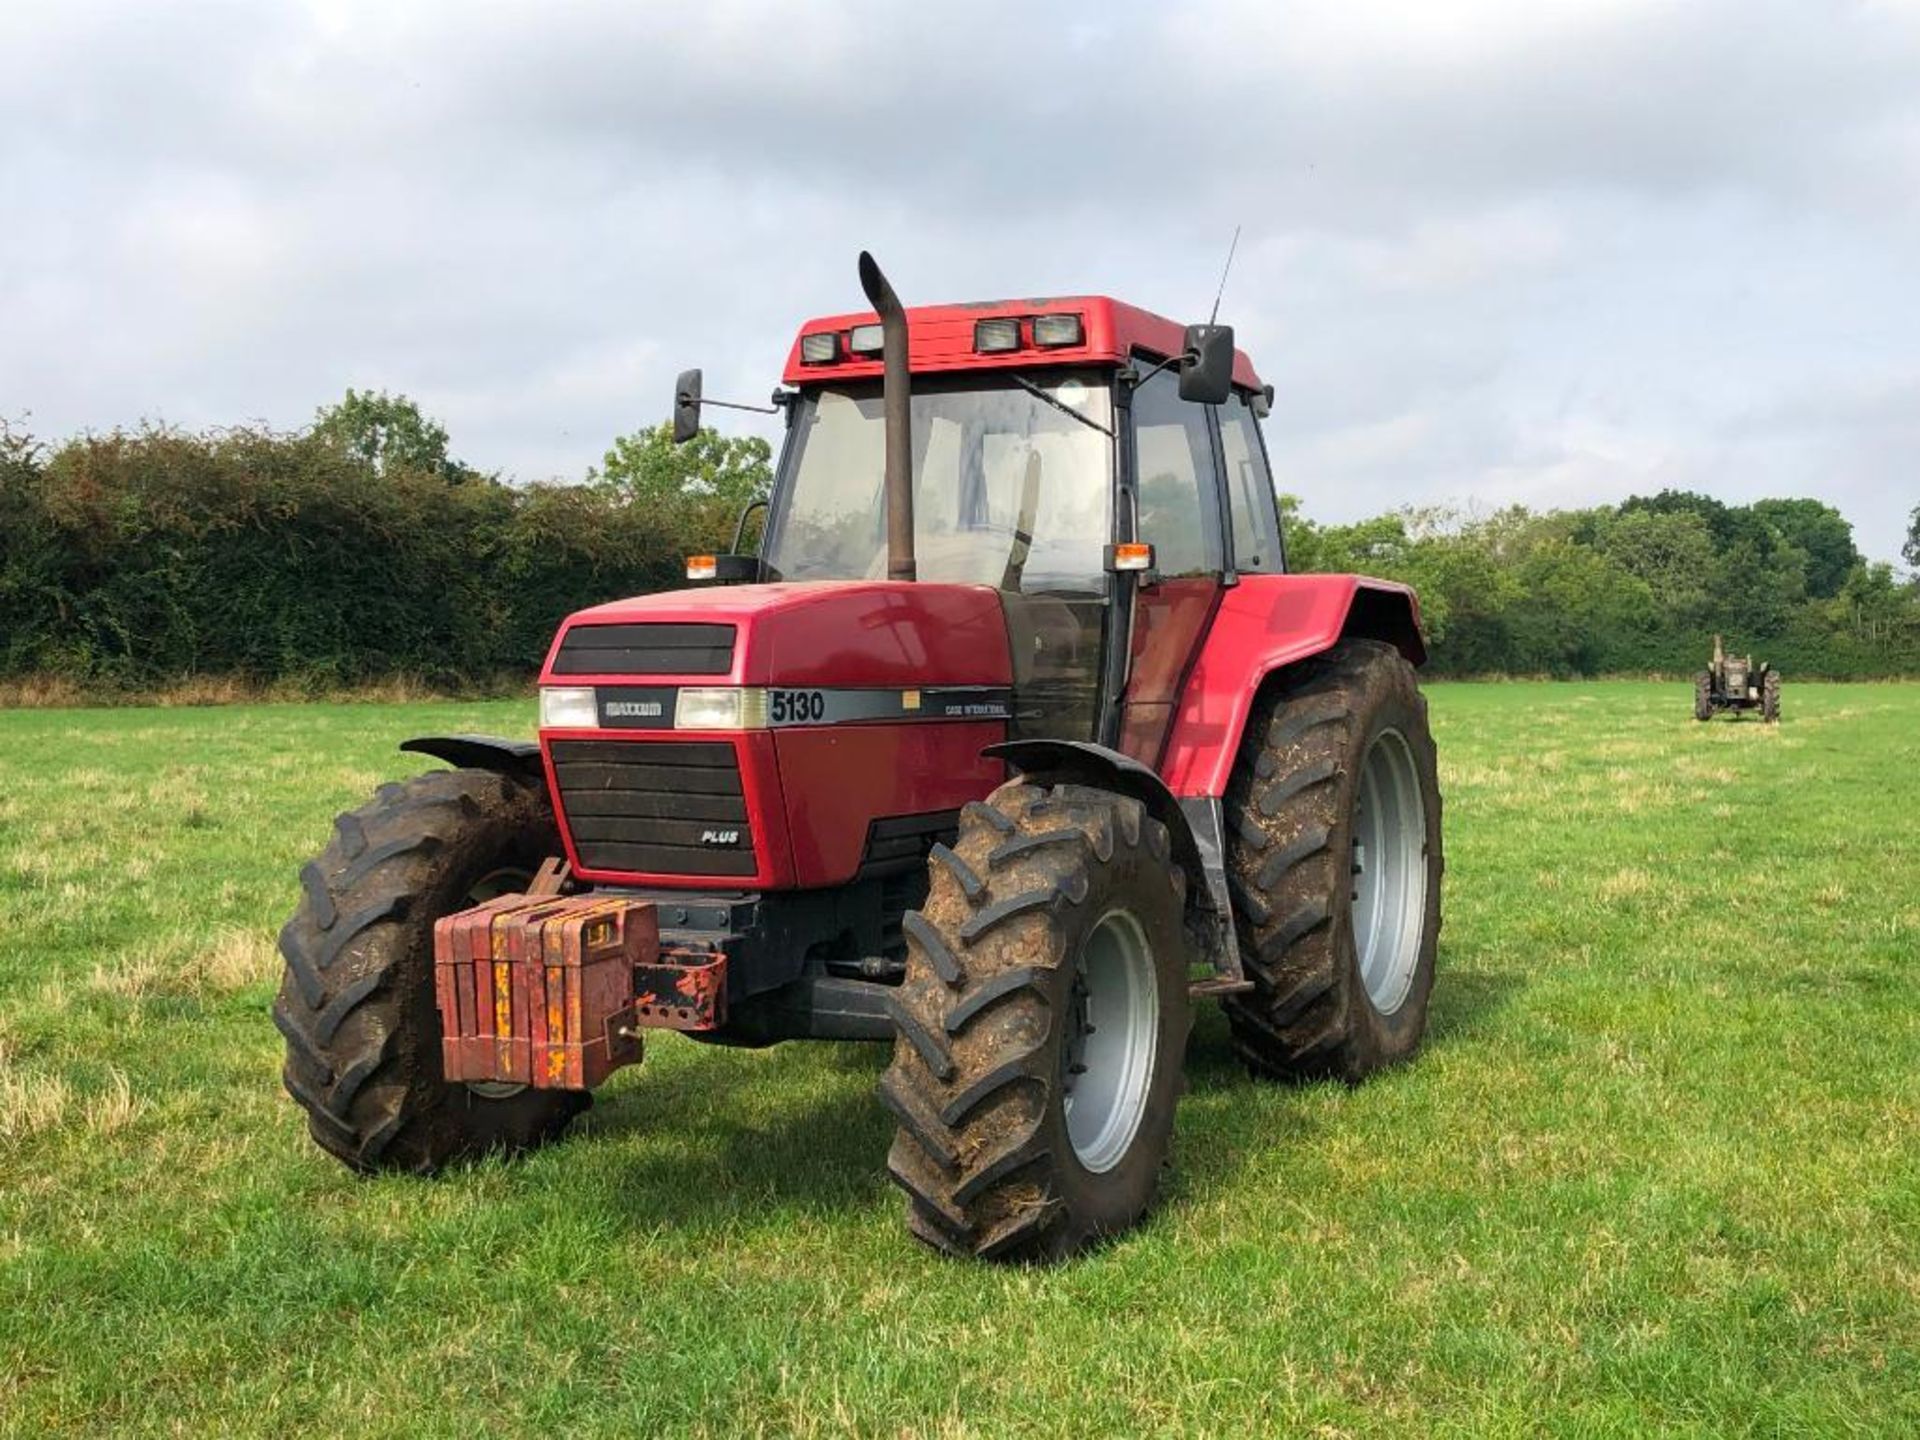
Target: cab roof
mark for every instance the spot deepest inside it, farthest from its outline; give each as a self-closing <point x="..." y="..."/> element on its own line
<point x="941" y="338"/>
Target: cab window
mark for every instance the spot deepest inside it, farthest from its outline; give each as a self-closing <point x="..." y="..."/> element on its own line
<point x="1173" y="461"/>
<point x="1250" y="502"/>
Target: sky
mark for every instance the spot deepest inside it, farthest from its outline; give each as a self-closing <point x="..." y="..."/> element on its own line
<point x="1552" y="254"/>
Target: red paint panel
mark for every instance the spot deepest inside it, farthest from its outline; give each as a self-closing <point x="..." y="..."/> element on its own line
<point x="884" y="636"/>
<point x="940" y="337"/>
<point x="1168" y="621"/>
<point x="1263" y="622"/>
<point x="838" y="778"/>
<point x="826" y="632"/>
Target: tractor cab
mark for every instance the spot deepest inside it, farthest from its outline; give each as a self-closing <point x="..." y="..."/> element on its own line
<point x="1099" y="466"/>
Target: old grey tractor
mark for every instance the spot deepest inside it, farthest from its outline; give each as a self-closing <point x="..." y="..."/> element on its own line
<point x="1734" y="682"/>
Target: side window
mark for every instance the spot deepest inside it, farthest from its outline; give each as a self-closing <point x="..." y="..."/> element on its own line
<point x="1250" y="502"/>
<point x="1173" y="459"/>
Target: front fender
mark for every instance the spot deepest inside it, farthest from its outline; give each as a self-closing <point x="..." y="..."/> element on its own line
<point x="482" y="752"/>
<point x="1193" y="826"/>
<point x="1082" y="762"/>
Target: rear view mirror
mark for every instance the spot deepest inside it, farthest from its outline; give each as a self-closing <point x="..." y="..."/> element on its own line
<point x="1206" y="370"/>
<point x="686" y="406"/>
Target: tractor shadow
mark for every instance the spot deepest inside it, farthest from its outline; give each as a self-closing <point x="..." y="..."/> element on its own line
<point x="1463" y="1007"/>
<point x="1215" y="1138"/>
<point x="1466" y="1002"/>
<point x="724" y="1135"/>
<point x="720" y="1137"/>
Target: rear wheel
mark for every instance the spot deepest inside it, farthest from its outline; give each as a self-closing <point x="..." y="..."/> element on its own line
<point x="1703" y="696"/>
<point x="356" y="1004"/>
<point x="1042" y="1026"/>
<point x="1334" y="862"/>
<point x="1770" y="697"/>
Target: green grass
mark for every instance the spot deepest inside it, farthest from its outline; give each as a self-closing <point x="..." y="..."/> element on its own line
<point x="1657" y="1168"/>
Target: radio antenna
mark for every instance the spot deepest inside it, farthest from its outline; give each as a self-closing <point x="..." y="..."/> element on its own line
<point x="1232" y="245"/>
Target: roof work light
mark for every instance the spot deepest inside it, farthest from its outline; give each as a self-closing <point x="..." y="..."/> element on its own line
<point x="991" y="337"/>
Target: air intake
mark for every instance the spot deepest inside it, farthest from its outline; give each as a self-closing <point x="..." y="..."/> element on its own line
<point x="650" y="649"/>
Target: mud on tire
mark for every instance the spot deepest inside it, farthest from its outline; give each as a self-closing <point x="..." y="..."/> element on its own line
<point x="356" y="1002"/>
<point x="1290" y="817"/>
<point x="1000" y="1003"/>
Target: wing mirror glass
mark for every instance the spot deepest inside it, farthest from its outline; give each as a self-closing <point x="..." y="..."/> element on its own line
<point x="686" y="406"/>
<point x="1206" y="370"/>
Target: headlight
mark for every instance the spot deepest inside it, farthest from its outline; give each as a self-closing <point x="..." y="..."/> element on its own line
<point x="568" y="707"/>
<point x="721" y="708"/>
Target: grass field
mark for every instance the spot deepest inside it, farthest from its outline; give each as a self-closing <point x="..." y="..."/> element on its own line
<point x="1658" y="1168"/>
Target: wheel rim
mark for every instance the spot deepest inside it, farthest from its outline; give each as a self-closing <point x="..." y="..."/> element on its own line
<point x="1389" y="870"/>
<point x="495" y="883"/>
<point x="491" y="886"/>
<point x="1113" y="1033"/>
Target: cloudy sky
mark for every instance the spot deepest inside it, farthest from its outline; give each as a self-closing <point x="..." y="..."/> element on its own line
<point x="1552" y="253"/>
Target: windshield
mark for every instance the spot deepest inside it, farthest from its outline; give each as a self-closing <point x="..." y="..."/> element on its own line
<point x="992" y="462"/>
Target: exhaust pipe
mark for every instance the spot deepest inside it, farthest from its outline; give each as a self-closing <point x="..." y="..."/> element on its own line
<point x="895" y="404"/>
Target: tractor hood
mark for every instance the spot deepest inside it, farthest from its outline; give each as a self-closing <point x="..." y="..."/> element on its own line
<point x="817" y="633"/>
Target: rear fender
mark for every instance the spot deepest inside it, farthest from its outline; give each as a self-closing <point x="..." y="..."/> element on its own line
<point x="1192" y="826"/>
<point x="1264" y="624"/>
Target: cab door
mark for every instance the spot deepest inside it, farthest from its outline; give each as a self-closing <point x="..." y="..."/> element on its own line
<point x="1176" y="483"/>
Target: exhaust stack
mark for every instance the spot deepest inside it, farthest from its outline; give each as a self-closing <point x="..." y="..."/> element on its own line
<point x="895" y="404"/>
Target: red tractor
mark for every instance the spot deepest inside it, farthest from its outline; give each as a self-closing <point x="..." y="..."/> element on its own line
<point x="1014" y="738"/>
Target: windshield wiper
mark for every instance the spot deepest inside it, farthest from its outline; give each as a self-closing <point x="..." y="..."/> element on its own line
<point x="1061" y="406"/>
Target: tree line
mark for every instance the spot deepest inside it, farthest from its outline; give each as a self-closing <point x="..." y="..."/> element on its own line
<point x="358" y="549"/>
<point x="1637" y="588"/>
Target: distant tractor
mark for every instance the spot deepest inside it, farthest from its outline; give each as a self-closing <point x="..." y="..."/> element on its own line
<point x="1734" y="682"/>
<point x="1014" y="739"/>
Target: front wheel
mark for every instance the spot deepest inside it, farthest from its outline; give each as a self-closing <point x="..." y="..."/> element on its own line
<point x="356" y="1005"/>
<point x="1770" y="697"/>
<point x="1042" y="1026"/>
<point x="1703" y="696"/>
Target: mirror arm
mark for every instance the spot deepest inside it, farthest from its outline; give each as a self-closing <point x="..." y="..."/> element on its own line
<point x="1183" y="358"/>
<point x="736" y="405"/>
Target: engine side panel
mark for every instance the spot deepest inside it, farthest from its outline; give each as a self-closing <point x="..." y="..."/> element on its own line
<point x="1263" y="623"/>
<point x="838" y="779"/>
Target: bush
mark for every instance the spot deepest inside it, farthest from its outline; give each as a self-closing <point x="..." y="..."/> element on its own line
<point x="135" y="560"/>
<point x="358" y="551"/>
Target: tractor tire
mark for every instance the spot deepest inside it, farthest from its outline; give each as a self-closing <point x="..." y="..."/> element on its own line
<point x="1334" y="864"/>
<point x="1703" y="696"/>
<point x="1770" y="697"/>
<point x="356" y="1003"/>
<point x="1042" y="1026"/>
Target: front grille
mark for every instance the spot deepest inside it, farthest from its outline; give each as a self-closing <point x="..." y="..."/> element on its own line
<point x="654" y="807"/>
<point x="645" y="650"/>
